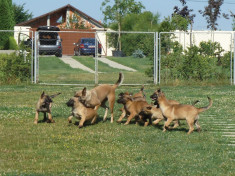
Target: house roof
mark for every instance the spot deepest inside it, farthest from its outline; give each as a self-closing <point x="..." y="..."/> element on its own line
<point x="82" y="14"/>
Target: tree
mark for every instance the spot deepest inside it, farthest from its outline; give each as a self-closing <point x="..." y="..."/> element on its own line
<point x="212" y="12"/>
<point x="233" y="17"/>
<point x="185" y="13"/>
<point x="115" y="12"/>
<point x="20" y="14"/>
<point x="6" y="22"/>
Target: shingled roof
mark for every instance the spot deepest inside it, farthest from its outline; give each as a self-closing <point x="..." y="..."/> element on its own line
<point x="64" y="8"/>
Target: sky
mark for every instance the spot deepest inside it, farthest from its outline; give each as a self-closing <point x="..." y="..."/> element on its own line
<point x="163" y="7"/>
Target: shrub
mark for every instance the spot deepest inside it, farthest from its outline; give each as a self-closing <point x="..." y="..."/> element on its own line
<point x="13" y="68"/>
<point x="12" y="45"/>
<point x="138" y="54"/>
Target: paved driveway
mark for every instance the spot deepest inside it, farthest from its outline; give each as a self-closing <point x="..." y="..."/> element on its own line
<point x="75" y="64"/>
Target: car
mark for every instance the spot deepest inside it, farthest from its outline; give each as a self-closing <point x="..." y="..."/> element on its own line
<point x="50" y="42"/>
<point x="86" y="46"/>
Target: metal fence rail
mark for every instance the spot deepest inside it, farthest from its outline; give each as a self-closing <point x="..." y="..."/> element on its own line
<point x="190" y="39"/>
<point x="133" y="53"/>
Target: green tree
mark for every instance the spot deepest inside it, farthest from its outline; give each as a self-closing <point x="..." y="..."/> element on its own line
<point x="20" y="14"/>
<point x="115" y="12"/>
<point x="6" y="22"/>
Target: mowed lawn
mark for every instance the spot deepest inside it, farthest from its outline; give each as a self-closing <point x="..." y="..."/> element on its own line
<point x="113" y="149"/>
<point x="54" y="71"/>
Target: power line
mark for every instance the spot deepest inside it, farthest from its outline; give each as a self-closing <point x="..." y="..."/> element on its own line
<point x="207" y="1"/>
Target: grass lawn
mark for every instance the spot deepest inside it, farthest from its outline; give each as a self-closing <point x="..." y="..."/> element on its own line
<point x="113" y="149"/>
<point x="53" y="70"/>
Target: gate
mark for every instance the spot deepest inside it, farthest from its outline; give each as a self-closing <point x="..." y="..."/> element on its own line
<point x="132" y="53"/>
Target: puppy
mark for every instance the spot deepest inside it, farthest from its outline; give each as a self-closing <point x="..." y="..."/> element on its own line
<point x="44" y="105"/>
<point x="156" y="111"/>
<point x="99" y="95"/>
<point x="81" y="112"/>
<point x="134" y="108"/>
<point x="156" y="114"/>
<point x="139" y="96"/>
<point x="181" y="112"/>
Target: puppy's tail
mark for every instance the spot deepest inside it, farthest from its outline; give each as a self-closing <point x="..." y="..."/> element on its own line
<point x="53" y="96"/>
<point x="207" y="107"/>
<point x="142" y="90"/>
<point x="120" y="80"/>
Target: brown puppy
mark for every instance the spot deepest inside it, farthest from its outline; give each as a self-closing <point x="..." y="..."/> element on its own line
<point x="155" y="110"/>
<point x="156" y="114"/>
<point x="181" y="112"/>
<point x="81" y="112"/>
<point x="99" y="95"/>
<point x="44" y="105"/>
<point x="139" y="96"/>
<point x="134" y="108"/>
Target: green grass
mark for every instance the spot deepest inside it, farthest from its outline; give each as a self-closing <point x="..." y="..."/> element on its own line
<point x="53" y="70"/>
<point x="112" y="149"/>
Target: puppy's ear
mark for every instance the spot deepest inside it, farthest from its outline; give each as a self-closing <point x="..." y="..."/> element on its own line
<point x="142" y="88"/>
<point x="42" y="95"/>
<point x="84" y="92"/>
<point x="159" y="90"/>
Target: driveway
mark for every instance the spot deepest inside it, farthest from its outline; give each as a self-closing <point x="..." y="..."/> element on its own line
<point x="75" y="64"/>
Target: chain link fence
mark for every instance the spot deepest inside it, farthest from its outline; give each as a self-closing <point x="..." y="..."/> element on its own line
<point x="205" y="57"/>
<point x="96" y="57"/>
<point x="81" y="58"/>
<point x="16" y="56"/>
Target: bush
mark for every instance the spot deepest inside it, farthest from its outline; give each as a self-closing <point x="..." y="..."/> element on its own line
<point x="138" y="54"/>
<point x="13" y="68"/>
<point x="12" y="45"/>
<point x="196" y="63"/>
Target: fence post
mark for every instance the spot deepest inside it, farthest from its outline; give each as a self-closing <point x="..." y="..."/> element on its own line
<point x="35" y="57"/>
<point x="233" y="58"/>
<point x="155" y="58"/>
<point x="32" y="54"/>
<point x="96" y="59"/>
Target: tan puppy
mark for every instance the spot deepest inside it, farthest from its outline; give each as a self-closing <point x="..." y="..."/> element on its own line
<point x="44" y="105"/>
<point x="181" y="112"/>
<point x="139" y="96"/>
<point x="134" y="108"/>
<point x="99" y="95"/>
<point x="156" y="114"/>
<point x="155" y="110"/>
<point x="81" y="112"/>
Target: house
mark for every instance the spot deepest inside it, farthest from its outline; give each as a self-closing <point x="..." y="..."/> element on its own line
<point x="67" y="18"/>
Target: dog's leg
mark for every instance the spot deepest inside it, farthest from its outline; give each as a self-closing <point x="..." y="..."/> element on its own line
<point x="106" y="110"/>
<point x="191" y="126"/>
<point x="155" y="122"/>
<point x="122" y="116"/>
<point x="111" y="100"/>
<point x="176" y="124"/>
<point x="83" y="118"/>
<point x="70" y="119"/>
<point x="197" y="125"/>
<point x="167" y="123"/>
<point x="50" y="120"/>
<point x="131" y="116"/>
<point x="105" y="114"/>
<point x="45" y="117"/>
<point x="94" y="119"/>
<point x="36" y="118"/>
